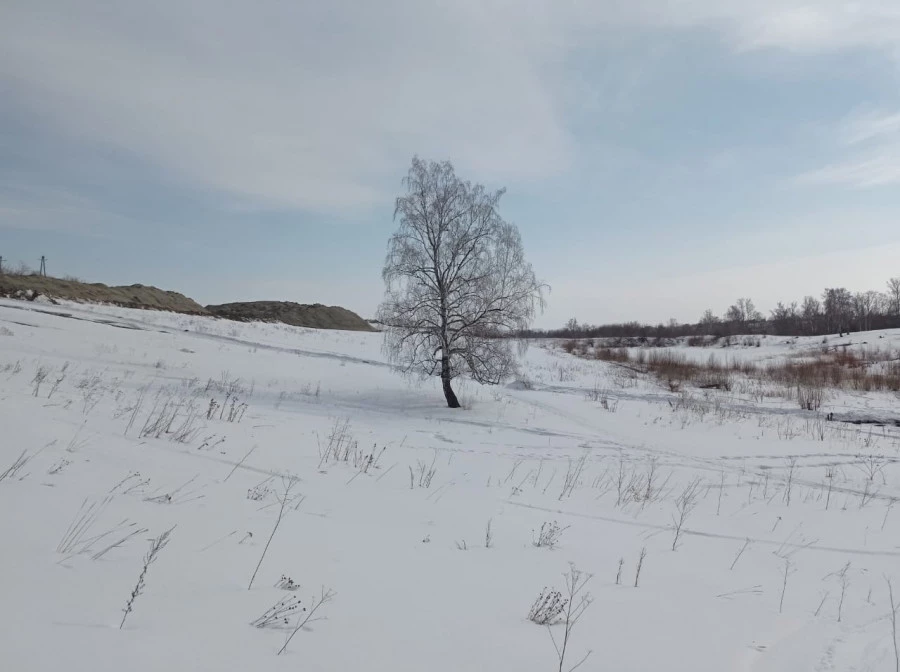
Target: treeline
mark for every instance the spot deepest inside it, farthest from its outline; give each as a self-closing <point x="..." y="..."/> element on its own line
<point x="836" y="311"/>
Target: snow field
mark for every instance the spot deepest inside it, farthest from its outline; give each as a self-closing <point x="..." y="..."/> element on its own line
<point x="607" y="457"/>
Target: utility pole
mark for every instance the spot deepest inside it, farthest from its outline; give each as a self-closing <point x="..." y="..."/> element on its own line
<point x="1" y="265"/>
<point x="43" y="266"/>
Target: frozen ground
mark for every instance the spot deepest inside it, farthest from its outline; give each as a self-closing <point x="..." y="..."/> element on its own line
<point x="784" y="501"/>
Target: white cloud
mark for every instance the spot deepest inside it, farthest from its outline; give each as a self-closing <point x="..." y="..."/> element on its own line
<point x="873" y="137"/>
<point x="287" y="104"/>
<point x="796" y="25"/>
<point x="318" y="105"/>
<point x="46" y="208"/>
<point x="876" y="169"/>
<point x="869" y="125"/>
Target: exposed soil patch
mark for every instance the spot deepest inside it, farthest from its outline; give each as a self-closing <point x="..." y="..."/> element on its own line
<point x="315" y="316"/>
<point x="30" y="287"/>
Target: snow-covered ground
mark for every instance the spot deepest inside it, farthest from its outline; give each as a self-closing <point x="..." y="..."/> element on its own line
<point x="781" y="564"/>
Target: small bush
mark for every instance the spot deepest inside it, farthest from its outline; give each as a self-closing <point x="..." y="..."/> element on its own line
<point x="547" y="607"/>
<point x="549" y="535"/>
<point x="569" y="346"/>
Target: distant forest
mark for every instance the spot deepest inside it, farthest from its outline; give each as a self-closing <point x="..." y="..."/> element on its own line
<point x="837" y="311"/>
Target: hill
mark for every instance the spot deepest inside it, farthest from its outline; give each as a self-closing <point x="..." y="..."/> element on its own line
<point x="315" y="316"/>
<point x="131" y="296"/>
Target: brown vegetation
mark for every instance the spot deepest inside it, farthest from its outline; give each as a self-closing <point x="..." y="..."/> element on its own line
<point x="805" y="376"/>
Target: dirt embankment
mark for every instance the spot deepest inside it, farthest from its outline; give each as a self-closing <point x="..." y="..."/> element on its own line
<point x="315" y="316"/>
<point x="133" y="296"/>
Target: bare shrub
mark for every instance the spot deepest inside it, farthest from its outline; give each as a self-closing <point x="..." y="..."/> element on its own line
<point x="339" y="445"/>
<point x="325" y="596"/>
<point x="423" y="474"/>
<point x="685" y="504"/>
<point x="549" y="535"/>
<point x="286" y="583"/>
<point x="573" y="476"/>
<point x="40" y="375"/>
<point x="546" y="609"/>
<point x="285" y="499"/>
<point x="279" y="614"/>
<point x="364" y="461"/>
<point x="136" y="407"/>
<point x="617" y="355"/>
<point x="872" y="465"/>
<point x="569" y="346"/>
<point x="843" y="577"/>
<point x="640" y="566"/>
<point x="807" y="375"/>
<point x="161" y="421"/>
<point x="602" y="395"/>
<point x="577" y="602"/>
<point x="59" y="380"/>
<point x="261" y="490"/>
<point x="649" y="488"/>
<point x="810" y="398"/>
<point x="789" y="481"/>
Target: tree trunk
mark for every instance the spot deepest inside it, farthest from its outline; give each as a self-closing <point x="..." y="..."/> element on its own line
<point x="449" y="394"/>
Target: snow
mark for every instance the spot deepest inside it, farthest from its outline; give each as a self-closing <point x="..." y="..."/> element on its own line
<point x="406" y="596"/>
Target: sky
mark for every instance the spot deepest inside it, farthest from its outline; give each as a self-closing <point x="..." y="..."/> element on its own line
<point x="660" y="157"/>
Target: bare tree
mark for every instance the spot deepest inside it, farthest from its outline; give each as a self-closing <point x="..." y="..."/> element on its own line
<point x="812" y="314"/>
<point x="709" y="320"/>
<point x="742" y="312"/>
<point x="893" y="294"/>
<point x="838" y="305"/>
<point x="784" y="316"/>
<point x="864" y="306"/>
<point x="456" y="279"/>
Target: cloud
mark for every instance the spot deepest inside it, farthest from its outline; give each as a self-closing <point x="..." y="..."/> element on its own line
<point x="873" y="138"/>
<point x="315" y="106"/>
<point x="877" y="169"/>
<point x="795" y="25"/>
<point x="869" y="125"/>
<point x="30" y="207"/>
<point x="286" y="104"/>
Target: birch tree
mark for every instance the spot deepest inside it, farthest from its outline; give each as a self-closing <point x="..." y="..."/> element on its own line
<point x="456" y="281"/>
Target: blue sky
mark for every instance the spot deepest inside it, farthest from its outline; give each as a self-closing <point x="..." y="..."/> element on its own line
<point x="660" y="158"/>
